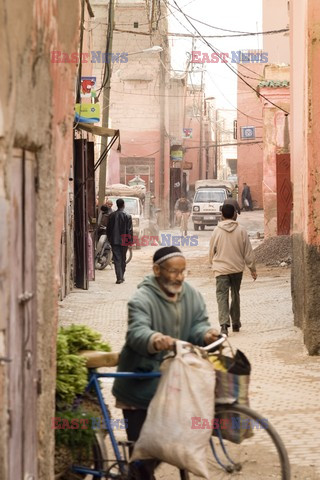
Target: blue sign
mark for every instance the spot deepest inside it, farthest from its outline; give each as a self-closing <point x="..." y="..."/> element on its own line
<point x="248" y="133"/>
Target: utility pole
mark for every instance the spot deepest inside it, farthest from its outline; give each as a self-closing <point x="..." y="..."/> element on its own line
<point x="106" y="104"/>
<point x="216" y="146"/>
<point x="201" y="127"/>
<point x="162" y="91"/>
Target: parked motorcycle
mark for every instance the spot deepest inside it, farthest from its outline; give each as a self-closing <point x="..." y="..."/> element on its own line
<point x="103" y="256"/>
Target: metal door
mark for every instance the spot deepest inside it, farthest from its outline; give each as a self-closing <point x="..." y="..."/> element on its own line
<point x="22" y="328"/>
<point x="284" y="194"/>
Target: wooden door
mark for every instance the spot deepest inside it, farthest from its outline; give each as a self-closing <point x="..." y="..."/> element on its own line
<point x="22" y="329"/>
<point x="92" y="210"/>
<point x="284" y="194"/>
<point x="80" y="215"/>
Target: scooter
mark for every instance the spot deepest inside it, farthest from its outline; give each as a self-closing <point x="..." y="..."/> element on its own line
<point x="103" y="256"/>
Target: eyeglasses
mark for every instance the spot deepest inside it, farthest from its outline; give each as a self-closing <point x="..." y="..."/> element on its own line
<point x="174" y="272"/>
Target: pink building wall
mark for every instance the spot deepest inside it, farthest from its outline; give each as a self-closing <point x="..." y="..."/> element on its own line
<point x="274" y="142"/>
<point x="275" y="16"/>
<point x="305" y="164"/>
<point x="38" y="106"/>
<point x="250" y="157"/>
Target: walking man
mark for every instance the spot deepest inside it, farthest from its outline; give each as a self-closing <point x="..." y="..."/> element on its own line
<point x="246" y="198"/>
<point x="164" y="308"/>
<point x="229" y="252"/>
<point x="232" y="201"/>
<point x="119" y="233"/>
<point x="182" y="210"/>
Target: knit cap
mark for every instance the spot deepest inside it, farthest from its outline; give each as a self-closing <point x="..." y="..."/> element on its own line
<point x="165" y="253"/>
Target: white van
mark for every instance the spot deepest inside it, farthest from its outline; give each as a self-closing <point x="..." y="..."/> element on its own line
<point x="207" y="202"/>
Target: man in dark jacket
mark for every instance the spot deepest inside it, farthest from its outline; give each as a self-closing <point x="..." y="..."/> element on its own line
<point x="164" y="308"/>
<point x="246" y="198"/>
<point x="119" y="233"/>
<point x="232" y="201"/>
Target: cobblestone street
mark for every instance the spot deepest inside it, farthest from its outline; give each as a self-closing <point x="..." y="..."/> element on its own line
<point x="284" y="381"/>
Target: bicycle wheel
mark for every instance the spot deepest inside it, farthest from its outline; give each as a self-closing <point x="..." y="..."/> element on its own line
<point x="259" y="453"/>
<point x="96" y="459"/>
<point x="102" y="261"/>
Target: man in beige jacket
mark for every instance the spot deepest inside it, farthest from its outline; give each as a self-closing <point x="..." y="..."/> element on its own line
<point x="230" y="251"/>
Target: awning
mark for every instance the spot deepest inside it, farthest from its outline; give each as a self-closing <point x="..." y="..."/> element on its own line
<point x="101" y="131"/>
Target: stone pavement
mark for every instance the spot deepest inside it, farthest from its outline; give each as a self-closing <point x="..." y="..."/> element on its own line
<point x="285" y="380"/>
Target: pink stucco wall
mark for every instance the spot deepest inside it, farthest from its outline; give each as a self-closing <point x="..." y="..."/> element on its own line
<point x="136" y="144"/>
<point x="277" y="46"/>
<point x="305" y="166"/>
<point x="274" y="142"/>
<point x="305" y="128"/>
<point x="250" y="157"/>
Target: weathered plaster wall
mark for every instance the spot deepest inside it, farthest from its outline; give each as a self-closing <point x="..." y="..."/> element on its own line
<point x="37" y="99"/>
<point x="275" y="141"/>
<point x="277" y="46"/>
<point x="250" y="157"/>
<point x="305" y="141"/>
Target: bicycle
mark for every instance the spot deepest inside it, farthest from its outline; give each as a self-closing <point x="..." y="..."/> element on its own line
<point x="231" y="459"/>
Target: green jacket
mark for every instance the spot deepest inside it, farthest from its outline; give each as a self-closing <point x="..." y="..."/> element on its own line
<point x="150" y="311"/>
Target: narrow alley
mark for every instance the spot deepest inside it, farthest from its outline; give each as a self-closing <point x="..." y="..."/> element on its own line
<point x="122" y="121"/>
<point x="284" y="381"/>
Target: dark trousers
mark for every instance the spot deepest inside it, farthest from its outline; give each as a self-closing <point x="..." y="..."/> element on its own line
<point x="119" y="260"/>
<point x="144" y="469"/>
<point x="223" y="284"/>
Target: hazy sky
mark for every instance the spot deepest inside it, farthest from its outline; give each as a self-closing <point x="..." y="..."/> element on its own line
<point x="244" y="16"/>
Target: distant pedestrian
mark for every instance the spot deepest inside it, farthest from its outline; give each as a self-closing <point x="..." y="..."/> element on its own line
<point x="182" y="211"/>
<point x="246" y="198"/>
<point x="232" y="201"/>
<point x="119" y="233"/>
<point x="229" y="252"/>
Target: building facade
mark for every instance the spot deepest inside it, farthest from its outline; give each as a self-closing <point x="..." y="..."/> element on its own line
<point x="37" y="103"/>
<point x="250" y="151"/>
<point x="139" y="95"/>
<point x="305" y="167"/>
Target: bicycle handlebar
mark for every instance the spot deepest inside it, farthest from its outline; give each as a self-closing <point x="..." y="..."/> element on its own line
<point x="212" y="347"/>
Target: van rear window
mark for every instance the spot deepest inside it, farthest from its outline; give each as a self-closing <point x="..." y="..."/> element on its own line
<point x="131" y="205"/>
<point x="204" y="196"/>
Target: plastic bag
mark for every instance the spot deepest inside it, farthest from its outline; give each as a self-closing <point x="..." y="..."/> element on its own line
<point x="170" y="432"/>
<point x="246" y="202"/>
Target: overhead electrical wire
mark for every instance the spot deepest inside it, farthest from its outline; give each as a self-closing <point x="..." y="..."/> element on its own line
<point x="251" y="34"/>
<point x="236" y="108"/>
<point x="268" y="32"/>
<point x="204" y="41"/>
<point x="227" y="64"/>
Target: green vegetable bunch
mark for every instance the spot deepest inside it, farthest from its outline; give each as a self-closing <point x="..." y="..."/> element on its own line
<point x="71" y="370"/>
<point x="81" y="337"/>
<point x="69" y="433"/>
